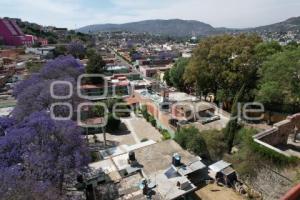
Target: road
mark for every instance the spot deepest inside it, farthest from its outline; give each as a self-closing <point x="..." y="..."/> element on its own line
<point x="122" y="60"/>
<point x="127" y="64"/>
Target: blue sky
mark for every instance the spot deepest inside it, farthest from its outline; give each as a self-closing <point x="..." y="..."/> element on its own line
<point x="77" y="13"/>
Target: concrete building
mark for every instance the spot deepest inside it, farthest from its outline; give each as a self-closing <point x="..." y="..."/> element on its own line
<point x="177" y="109"/>
<point x="152" y="70"/>
<point x="282" y="137"/>
<point x="42" y="51"/>
<point x="12" y="34"/>
<point x="157" y="170"/>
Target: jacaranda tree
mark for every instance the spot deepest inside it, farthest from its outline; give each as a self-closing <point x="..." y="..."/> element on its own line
<point x="76" y="49"/>
<point x="5" y="123"/>
<point x="42" y="151"/>
<point x="39" y="155"/>
<point x="34" y="94"/>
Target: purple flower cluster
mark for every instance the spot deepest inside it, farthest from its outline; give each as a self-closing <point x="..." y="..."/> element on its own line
<point x="5" y="123"/>
<point x="76" y="49"/>
<point x="34" y="95"/>
<point x="41" y="150"/>
<point x="38" y="154"/>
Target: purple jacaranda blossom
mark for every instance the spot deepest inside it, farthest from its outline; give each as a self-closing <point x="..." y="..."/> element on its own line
<point x="62" y="67"/>
<point x="34" y="94"/>
<point x="38" y="154"/>
<point x="38" y="98"/>
<point x="16" y="186"/>
<point x="76" y="49"/>
<point x="5" y="123"/>
<point x="45" y="152"/>
<point x="21" y="87"/>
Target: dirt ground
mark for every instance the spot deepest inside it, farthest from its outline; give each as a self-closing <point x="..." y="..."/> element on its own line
<point x="215" y="192"/>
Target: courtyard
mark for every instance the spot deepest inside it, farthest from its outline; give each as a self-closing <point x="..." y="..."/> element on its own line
<point x="132" y="131"/>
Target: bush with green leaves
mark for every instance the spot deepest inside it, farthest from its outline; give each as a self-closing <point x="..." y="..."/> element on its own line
<point x="145" y="112"/>
<point x="252" y="156"/>
<point x="166" y="135"/>
<point x="275" y="157"/>
<point x="190" y="139"/>
<point x="216" y="144"/>
<point x="152" y="121"/>
<point x="94" y="156"/>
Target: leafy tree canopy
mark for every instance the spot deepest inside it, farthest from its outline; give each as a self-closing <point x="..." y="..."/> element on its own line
<point x="40" y="152"/>
<point x="95" y="65"/>
<point x="177" y="72"/>
<point x="189" y="138"/>
<point x="280" y="79"/>
<point x="221" y="64"/>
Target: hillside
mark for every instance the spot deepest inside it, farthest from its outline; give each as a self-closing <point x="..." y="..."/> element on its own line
<point x="52" y="36"/>
<point x="177" y="27"/>
<point x="174" y="27"/>
<point x="291" y="24"/>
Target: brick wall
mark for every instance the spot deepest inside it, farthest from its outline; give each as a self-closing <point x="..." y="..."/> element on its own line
<point x="279" y="133"/>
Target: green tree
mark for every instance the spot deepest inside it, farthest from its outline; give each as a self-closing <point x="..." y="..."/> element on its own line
<point x="292" y="46"/>
<point x="95" y="65"/>
<point x="267" y="49"/>
<point x="197" y="145"/>
<point x="52" y="40"/>
<point x="177" y="72"/>
<point x="280" y="79"/>
<point x="221" y="64"/>
<point x="189" y="138"/>
<point x="167" y="78"/>
<point x="233" y="126"/>
<point x="152" y="121"/>
<point x="216" y="144"/>
<point x="166" y="135"/>
<point x="60" y="50"/>
<point x="113" y="122"/>
<point x="90" y="52"/>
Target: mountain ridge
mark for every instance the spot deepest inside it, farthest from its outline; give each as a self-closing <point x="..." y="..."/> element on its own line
<point x="174" y="27"/>
<point x="179" y="27"/>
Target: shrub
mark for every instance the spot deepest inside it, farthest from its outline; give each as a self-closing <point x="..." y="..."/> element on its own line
<point x="94" y="156"/>
<point x="216" y="145"/>
<point x="144" y="109"/>
<point x="275" y="157"/>
<point x="152" y="120"/>
<point x="147" y="116"/>
<point x="166" y="135"/>
<point x="145" y="113"/>
<point x="190" y="139"/>
<point x="252" y="156"/>
<point x="197" y="145"/>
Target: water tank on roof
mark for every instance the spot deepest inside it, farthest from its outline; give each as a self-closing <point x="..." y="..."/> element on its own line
<point x="131" y="156"/>
<point x="176" y="160"/>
